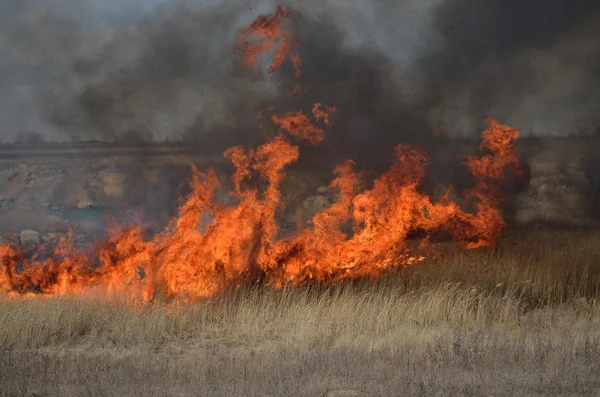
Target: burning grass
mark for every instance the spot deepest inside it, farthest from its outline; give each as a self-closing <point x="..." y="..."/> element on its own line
<point x="242" y="243"/>
<point x="520" y="319"/>
<point x="193" y="311"/>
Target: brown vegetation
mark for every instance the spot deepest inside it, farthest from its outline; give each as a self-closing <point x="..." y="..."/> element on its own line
<point x="522" y="319"/>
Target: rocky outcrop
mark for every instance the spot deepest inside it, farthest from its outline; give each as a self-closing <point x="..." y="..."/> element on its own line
<point x="561" y="188"/>
<point x="55" y="193"/>
<point x="29" y="238"/>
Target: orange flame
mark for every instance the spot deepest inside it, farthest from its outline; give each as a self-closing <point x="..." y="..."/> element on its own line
<point x="269" y="34"/>
<point x="364" y="233"/>
<point x="241" y="242"/>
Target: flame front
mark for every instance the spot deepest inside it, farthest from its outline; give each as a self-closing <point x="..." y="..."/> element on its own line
<point x="364" y="233"/>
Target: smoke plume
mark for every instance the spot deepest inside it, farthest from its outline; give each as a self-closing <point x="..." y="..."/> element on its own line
<point x="398" y="70"/>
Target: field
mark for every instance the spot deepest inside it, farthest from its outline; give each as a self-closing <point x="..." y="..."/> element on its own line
<point x="521" y="319"/>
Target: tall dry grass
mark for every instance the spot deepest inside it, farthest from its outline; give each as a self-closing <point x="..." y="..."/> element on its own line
<point x="521" y="319"/>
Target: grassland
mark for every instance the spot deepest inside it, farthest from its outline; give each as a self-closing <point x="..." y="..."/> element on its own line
<point x="522" y="319"/>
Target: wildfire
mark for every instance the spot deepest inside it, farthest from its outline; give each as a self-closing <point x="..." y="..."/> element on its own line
<point x="268" y="33"/>
<point x="364" y="233"/>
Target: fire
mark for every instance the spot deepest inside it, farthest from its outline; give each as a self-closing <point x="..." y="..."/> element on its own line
<point x="266" y="34"/>
<point x="364" y="233"/>
<point x="299" y="124"/>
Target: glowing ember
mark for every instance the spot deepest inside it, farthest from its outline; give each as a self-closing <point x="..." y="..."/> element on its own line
<point x="188" y="262"/>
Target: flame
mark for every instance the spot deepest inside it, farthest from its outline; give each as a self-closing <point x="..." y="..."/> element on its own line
<point x="266" y="34"/>
<point x="241" y="242"/>
<point x="364" y="233"/>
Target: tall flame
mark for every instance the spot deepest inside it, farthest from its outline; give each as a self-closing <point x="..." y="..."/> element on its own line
<point x="364" y="233"/>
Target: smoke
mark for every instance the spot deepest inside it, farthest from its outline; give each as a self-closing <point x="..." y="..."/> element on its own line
<point x="398" y="70"/>
<point x="170" y="76"/>
<point x="533" y="64"/>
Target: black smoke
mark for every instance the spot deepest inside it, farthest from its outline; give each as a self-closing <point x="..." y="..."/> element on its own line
<point x="169" y="77"/>
<point x="172" y="75"/>
<point x="398" y="70"/>
<point x="536" y="59"/>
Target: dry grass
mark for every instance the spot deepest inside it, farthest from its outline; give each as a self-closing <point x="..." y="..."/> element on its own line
<point x="523" y="319"/>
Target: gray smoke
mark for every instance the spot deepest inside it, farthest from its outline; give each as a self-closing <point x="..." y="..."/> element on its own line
<point x="398" y="70"/>
<point x="533" y="64"/>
